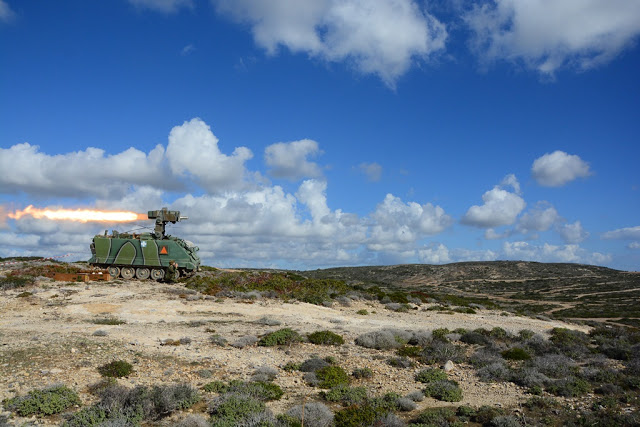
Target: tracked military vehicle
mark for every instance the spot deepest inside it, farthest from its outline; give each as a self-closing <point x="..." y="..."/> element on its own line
<point x="145" y="255"/>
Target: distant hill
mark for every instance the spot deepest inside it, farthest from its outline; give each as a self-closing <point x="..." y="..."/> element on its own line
<point x="563" y="290"/>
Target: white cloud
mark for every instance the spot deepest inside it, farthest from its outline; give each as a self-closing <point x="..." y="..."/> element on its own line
<point x="193" y="150"/>
<point x="373" y="171"/>
<point x="549" y="34"/>
<point x="164" y="6"/>
<point x="406" y="222"/>
<point x="552" y="253"/>
<point x="289" y="159"/>
<point x="83" y="173"/>
<point x="572" y="233"/>
<point x="541" y="218"/>
<point x="634" y="245"/>
<point x="383" y="37"/>
<point x="623" y="233"/>
<point x="6" y="14"/>
<point x="500" y="207"/>
<point x="435" y="254"/>
<point x="558" y="168"/>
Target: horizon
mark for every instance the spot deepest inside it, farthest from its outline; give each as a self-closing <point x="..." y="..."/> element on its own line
<point x="318" y="134"/>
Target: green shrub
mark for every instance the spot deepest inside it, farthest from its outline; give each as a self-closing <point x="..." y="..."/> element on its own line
<point x="430" y="375"/>
<point x="409" y="351"/>
<point x="346" y="395"/>
<point x="261" y="390"/>
<point x="437" y="417"/>
<point x="362" y="373"/>
<point x="331" y="376"/>
<point x="569" y="387"/>
<point x="445" y="390"/>
<point x="116" y="369"/>
<point x="14" y="281"/>
<point x="440" y="334"/>
<point x="285" y="336"/>
<point x="292" y="366"/>
<point x="231" y="409"/>
<point x="516" y="353"/>
<point x="362" y="312"/>
<point x="498" y="333"/>
<point x="485" y="414"/>
<point x="325" y="338"/>
<point x="216" y="387"/>
<point x="108" y="321"/>
<point x="87" y="417"/>
<point x="46" y="401"/>
<point x="355" y="416"/>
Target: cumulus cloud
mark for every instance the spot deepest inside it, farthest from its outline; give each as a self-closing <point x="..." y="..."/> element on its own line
<point x="91" y="172"/>
<point x="434" y="254"/>
<point x="541" y="218"/>
<point x="164" y="6"/>
<point x="383" y="37"/>
<point x="553" y="253"/>
<point x="289" y="159"/>
<point x="546" y="35"/>
<point x="623" y="233"/>
<point x="373" y="171"/>
<point x="501" y="207"/>
<point x="634" y="245"/>
<point x="193" y="151"/>
<point x="572" y="233"/>
<point x="6" y="14"/>
<point x="558" y="168"/>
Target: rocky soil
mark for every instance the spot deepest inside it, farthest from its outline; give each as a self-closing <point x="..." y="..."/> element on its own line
<point x="51" y="337"/>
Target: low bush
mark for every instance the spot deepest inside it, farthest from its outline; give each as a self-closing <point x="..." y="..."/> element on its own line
<point x="569" y="387"/>
<point x="496" y="371"/>
<point x="436" y="417"/>
<point x="108" y="321"/>
<point x="331" y="376"/>
<point x="360" y="373"/>
<point x="246" y="341"/>
<point x="445" y="390"/>
<point x="346" y="395"/>
<point x="516" y="353"/>
<point x="430" y="375"/>
<point x="233" y="409"/>
<point x="314" y="414"/>
<point x="116" y="369"/>
<point x="120" y="406"/>
<point x="325" y="338"/>
<point x="439" y="352"/>
<point x="261" y="390"/>
<point x="313" y="364"/>
<point x="285" y="336"/>
<point x="440" y="334"/>
<point x="385" y="339"/>
<point x="409" y="351"/>
<point x="362" y="312"/>
<point x="400" y="362"/>
<point x="264" y="374"/>
<point x="218" y="340"/>
<point x="48" y="401"/>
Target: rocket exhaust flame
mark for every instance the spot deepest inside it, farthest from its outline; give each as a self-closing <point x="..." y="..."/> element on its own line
<point x="81" y="215"/>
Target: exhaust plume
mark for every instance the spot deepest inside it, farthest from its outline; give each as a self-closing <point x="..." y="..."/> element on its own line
<point x="81" y="215"/>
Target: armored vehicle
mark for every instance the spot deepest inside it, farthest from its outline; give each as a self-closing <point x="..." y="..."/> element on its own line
<point x="145" y="255"/>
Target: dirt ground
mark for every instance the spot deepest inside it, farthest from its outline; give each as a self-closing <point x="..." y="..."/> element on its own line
<point x="50" y="337"/>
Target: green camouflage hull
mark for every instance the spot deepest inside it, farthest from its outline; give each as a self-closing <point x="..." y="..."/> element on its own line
<point x="142" y="255"/>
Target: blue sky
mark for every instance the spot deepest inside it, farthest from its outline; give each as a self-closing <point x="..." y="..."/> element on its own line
<point x="309" y="134"/>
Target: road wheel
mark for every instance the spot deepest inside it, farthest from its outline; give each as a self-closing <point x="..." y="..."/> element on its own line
<point x="128" y="273"/>
<point x="157" y="274"/>
<point x="142" y="273"/>
<point x="114" y="271"/>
